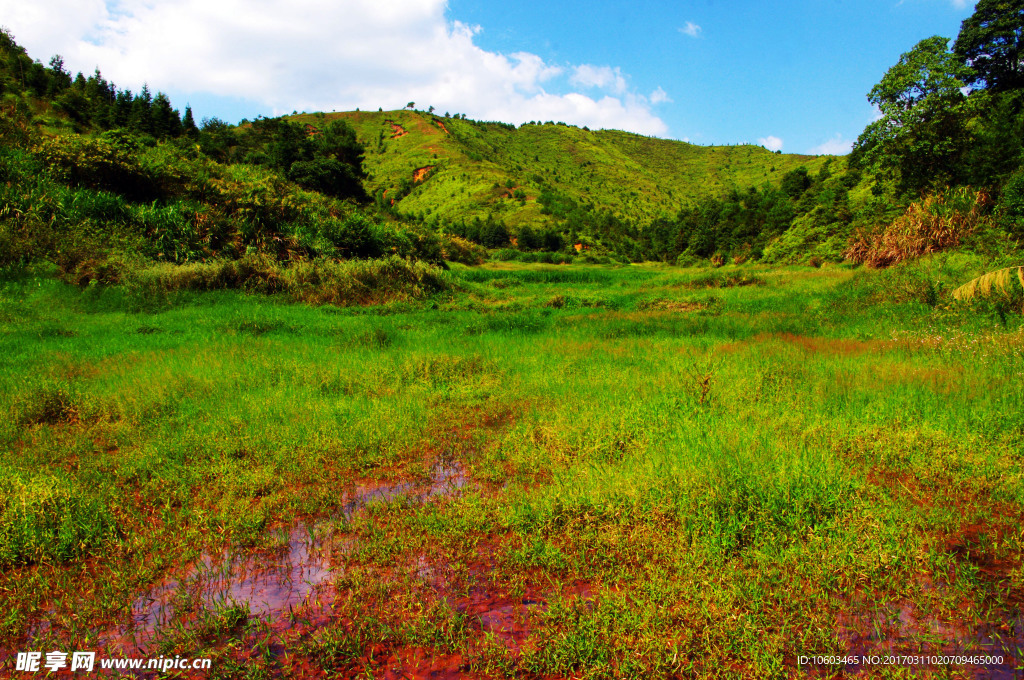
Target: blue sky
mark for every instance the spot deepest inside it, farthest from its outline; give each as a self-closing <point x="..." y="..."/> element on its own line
<point x="744" y="70"/>
<point x="787" y="74"/>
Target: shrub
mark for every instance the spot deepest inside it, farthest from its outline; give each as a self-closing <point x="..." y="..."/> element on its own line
<point x="180" y="171"/>
<point x="176" y="232"/>
<point x="687" y="259"/>
<point x="723" y="280"/>
<point x="936" y="223"/>
<point x="97" y="164"/>
<point x="50" y="403"/>
<point x="321" y="281"/>
<point x="253" y="272"/>
<point x="326" y="175"/>
<point x="1003" y="288"/>
<point x="426" y="247"/>
<point x="458" y="249"/>
<point x="98" y="206"/>
<point x="260" y="202"/>
<point x="1010" y="210"/>
<point x="352" y="236"/>
<point x="109" y="269"/>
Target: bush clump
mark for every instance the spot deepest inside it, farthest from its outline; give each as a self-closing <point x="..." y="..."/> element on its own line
<point x="96" y="164"/>
<point x="319" y="281"/>
<point x="458" y="249"/>
<point x="938" y="222"/>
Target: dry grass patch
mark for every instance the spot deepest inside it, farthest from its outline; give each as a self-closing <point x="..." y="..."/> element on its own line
<point x="938" y="222"/>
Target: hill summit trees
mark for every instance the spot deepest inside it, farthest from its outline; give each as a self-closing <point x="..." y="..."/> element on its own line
<point x="952" y="116"/>
<point x="990" y="42"/>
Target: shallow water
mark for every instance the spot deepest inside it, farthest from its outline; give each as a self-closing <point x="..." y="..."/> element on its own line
<point x="271" y="584"/>
<point x="901" y="629"/>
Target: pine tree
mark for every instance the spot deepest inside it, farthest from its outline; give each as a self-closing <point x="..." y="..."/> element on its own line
<point x="123" y="108"/>
<point x="141" y="119"/>
<point x="188" y="124"/>
<point x="60" y="79"/>
<point x="164" y="120"/>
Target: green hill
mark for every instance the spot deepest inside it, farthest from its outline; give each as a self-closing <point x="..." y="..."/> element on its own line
<point x="363" y="184"/>
<point x="450" y="169"/>
<point x="355" y="185"/>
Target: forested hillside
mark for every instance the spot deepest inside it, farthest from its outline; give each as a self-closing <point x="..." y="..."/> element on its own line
<point x="92" y="170"/>
<point x="112" y="187"/>
<point x="609" y="189"/>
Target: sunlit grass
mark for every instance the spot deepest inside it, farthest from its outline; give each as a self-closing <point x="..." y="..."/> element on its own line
<point x="691" y="470"/>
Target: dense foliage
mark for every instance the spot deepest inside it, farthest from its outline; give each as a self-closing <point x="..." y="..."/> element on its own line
<point x="327" y="159"/>
<point x="87" y="103"/>
<point x="106" y="196"/>
<point x="951" y="116"/>
<point x="90" y="169"/>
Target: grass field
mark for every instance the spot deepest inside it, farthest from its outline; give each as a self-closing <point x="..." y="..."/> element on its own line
<point x="574" y="472"/>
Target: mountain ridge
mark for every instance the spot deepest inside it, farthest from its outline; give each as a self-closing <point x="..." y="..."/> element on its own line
<point x="471" y="169"/>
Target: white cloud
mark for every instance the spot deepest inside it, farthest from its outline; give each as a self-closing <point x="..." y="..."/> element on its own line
<point x="836" y="146"/>
<point x="691" y="29"/>
<point x="771" y="143"/>
<point x="659" y="96"/>
<point x="321" y="55"/>
<point x="603" y="77"/>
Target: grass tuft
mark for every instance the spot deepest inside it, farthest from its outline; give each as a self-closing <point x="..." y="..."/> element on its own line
<point x="938" y="222"/>
<point x="48" y="517"/>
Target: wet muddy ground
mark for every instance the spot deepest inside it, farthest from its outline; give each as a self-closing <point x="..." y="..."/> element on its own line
<point x="903" y="629"/>
<point x="288" y="593"/>
<point x="271" y="585"/>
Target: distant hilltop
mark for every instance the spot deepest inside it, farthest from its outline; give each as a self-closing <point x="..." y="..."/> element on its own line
<point x="450" y="168"/>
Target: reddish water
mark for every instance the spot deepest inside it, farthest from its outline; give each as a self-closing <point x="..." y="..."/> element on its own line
<point x="271" y="584"/>
<point x="901" y="629"/>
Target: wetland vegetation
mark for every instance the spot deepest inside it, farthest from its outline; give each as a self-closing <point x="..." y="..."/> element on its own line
<point x="572" y="471"/>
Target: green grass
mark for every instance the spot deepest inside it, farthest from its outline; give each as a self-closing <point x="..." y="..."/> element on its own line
<point x="673" y="472"/>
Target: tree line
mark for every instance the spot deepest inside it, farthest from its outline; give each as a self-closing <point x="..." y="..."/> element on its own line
<point x="93" y="102"/>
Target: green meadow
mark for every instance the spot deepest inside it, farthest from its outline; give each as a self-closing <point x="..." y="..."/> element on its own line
<point x="524" y="471"/>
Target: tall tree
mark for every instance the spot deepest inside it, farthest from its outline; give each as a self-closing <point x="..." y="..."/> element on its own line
<point x="923" y="132"/>
<point x="141" y="119"/>
<point x="991" y="42"/>
<point x="60" y="79"/>
<point x="338" y="140"/>
<point x="188" y="123"/>
<point x="123" y="108"/>
<point x="102" y="96"/>
<point x="165" y="121"/>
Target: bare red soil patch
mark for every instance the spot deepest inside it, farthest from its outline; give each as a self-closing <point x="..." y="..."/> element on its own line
<point x="813" y="345"/>
<point x="420" y="174"/>
<point x="396" y="129"/>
